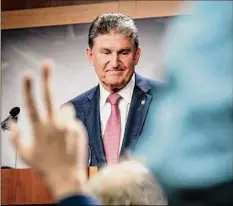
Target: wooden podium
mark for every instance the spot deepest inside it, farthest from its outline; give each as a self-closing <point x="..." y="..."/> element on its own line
<point x="25" y="187"/>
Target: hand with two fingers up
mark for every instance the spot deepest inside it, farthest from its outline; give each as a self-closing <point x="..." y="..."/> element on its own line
<point x="59" y="141"/>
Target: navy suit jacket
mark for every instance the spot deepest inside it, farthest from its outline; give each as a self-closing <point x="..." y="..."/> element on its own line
<point x="75" y="200"/>
<point x="88" y="111"/>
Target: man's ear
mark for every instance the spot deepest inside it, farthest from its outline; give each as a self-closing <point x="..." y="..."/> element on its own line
<point x="89" y="55"/>
<point x="137" y="56"/>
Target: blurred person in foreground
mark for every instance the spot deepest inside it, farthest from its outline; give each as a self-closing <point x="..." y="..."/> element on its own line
<point x="191" y="153"/>
<point x="189" y="140"/>
<point x="127" y="183"/>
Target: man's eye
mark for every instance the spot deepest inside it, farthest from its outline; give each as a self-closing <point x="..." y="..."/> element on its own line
<point x="105" y="52"/>
<point x="125" y="52"/>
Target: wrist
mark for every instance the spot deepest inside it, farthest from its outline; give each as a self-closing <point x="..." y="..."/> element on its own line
<point x="65" y="184"/>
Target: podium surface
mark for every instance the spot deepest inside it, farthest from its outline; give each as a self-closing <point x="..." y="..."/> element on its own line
<point x="25" y="187"/>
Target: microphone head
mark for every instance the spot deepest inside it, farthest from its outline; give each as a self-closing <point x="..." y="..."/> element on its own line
<point x="14" y="111"/>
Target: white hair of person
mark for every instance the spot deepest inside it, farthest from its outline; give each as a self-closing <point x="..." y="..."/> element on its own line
<point x="126" y="183"/>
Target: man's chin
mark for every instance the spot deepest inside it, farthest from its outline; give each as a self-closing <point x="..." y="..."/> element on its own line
<point x="117" y="85"/>
<point x="116" y="82"/>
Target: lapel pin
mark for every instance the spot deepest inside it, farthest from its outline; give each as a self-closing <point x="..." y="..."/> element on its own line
<point x="143" y="101"/>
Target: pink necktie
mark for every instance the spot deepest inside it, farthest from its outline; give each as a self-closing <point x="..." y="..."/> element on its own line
<point x="112" y="133"/>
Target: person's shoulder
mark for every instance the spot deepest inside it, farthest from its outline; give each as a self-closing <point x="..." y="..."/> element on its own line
<point x="74" y="200"/>
<point x="153" y="83"/>
<point x="82" y="98"/>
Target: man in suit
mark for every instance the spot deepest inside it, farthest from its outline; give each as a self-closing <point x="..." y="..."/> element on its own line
<point x="114" y="52"/>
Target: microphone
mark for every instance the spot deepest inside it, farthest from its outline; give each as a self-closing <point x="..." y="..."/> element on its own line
<point x="13" y="115"/>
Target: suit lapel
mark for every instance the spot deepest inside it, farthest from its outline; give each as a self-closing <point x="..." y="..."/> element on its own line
<point x="92" y="114"/>
<point x="139" y="106"/>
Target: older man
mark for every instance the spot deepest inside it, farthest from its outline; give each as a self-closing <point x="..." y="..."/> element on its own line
<point x="115" y="110"/>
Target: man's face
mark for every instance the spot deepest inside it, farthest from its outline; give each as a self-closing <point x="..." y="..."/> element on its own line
<point x="114" y="58"/>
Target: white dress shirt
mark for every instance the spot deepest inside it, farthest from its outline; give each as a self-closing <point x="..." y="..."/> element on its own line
<point x="124" y="105"/>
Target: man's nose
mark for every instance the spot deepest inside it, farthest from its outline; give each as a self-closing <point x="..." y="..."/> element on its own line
<point x="114" y="60"/>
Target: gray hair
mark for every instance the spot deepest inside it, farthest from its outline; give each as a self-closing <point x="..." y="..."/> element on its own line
<point x="126" y="183"/>
<point x="118" y="23"/>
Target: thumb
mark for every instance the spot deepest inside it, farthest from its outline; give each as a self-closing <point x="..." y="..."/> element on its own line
<point x="16" y="140"/>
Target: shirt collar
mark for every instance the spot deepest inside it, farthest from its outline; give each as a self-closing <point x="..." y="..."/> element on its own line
<point x="126" y="92"/>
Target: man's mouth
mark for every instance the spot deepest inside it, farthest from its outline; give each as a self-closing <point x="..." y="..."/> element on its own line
<point x="115" y="70"/>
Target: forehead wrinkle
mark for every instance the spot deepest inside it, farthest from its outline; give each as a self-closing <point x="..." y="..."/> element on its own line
<point x="114" y="42"/>
<point x="115" y="49"/>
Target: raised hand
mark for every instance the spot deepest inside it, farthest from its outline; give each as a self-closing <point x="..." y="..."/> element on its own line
<point x="59" y="141"/>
